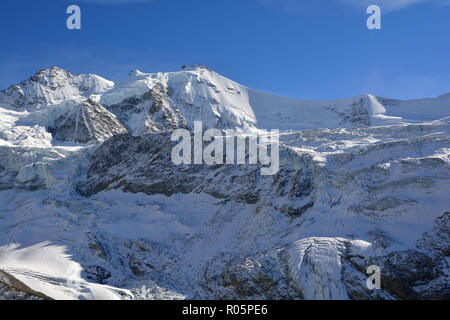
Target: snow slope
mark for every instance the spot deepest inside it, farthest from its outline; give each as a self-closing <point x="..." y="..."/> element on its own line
<point x="48" y="268"/>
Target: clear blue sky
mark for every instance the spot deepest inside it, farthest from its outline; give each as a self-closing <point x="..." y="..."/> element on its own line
<point x="307" y="49"/>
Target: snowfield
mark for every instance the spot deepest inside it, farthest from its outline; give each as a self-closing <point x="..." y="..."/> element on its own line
<point x="91" y="206"/>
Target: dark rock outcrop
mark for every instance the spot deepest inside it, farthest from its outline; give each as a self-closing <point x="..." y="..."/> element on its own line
<point x="143" y="164"/>
<point x="88" y="122"/>
<point x="13" y="289"/>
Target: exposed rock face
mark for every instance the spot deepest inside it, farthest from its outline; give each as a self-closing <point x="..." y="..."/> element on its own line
<point x="88" y="122"/>
<point x="408" y="274"/>
<point x="404" y="270"/>
<point x="254" y="278"/>
<point x="150" y="112"/>
<point x="437" y="241"/>
<point x="437" y="244"/>
<point x="143" y="164"/>
<point x="13" y="289"/>
<point x="359" y="114"/>
<point x="97" y="274"/>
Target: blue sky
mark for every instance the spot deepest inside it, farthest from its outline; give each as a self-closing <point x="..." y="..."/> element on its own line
<point x="307" y="49"/>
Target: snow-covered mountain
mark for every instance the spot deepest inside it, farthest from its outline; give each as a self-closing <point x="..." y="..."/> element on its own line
<point x="93" y="207"/>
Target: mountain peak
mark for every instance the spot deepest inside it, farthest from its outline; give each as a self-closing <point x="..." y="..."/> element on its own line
<point x="53" y="73"/>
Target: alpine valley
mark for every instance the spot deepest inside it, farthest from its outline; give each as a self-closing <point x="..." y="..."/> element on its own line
<point x="92" y="207"/>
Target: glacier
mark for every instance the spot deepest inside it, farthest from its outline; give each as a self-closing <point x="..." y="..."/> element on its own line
<point x="91" y="206"/>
